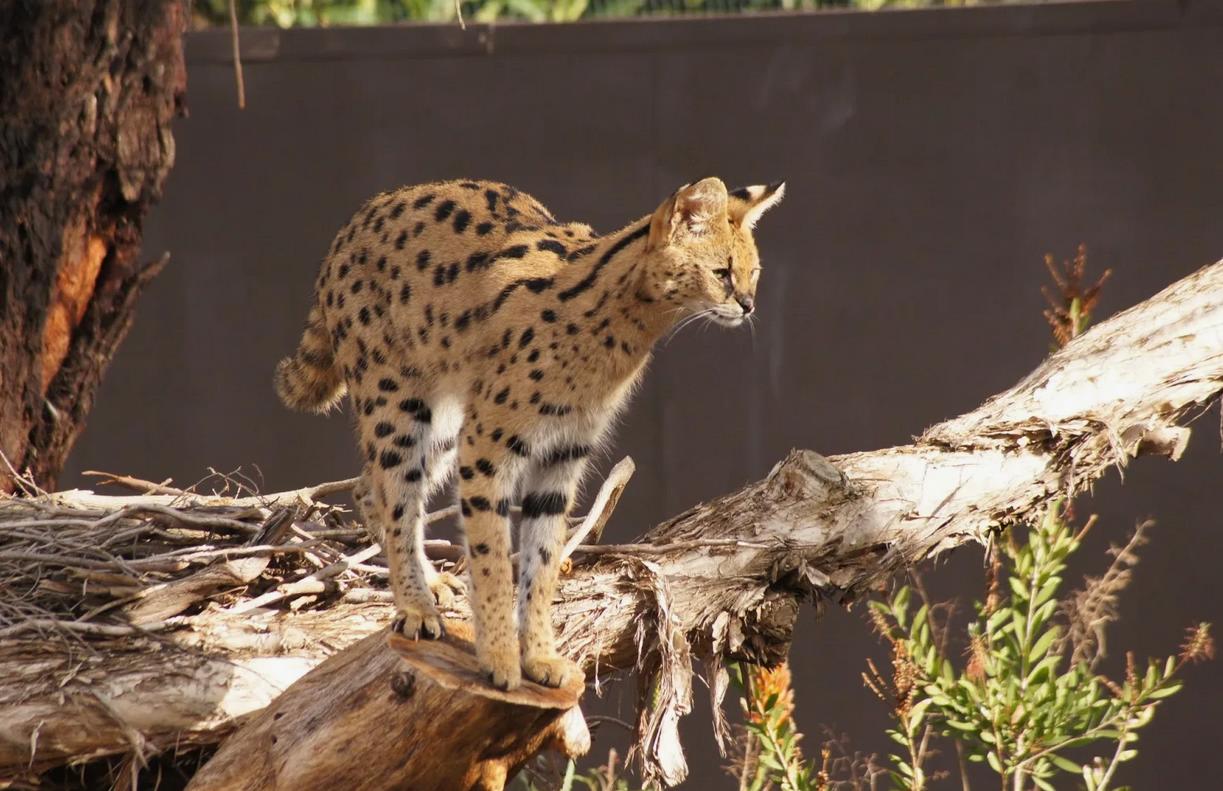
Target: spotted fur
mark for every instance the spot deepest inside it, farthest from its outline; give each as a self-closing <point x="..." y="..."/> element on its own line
<point x="472" y="330"/>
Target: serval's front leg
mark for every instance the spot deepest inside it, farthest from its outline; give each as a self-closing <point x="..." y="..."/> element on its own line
<point x="549" y="487"/>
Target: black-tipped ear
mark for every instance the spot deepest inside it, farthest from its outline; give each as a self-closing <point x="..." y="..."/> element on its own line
<point x="690" y="211"/>
<point x="748" y="203"/>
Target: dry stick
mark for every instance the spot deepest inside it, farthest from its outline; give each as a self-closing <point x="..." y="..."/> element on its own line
<point x="233" y="31"/>
<point x="102" y="629"/>
<point x="312" y="583"/>
<point x="605" y="502"/>
<point x="677" y="546"/>
<point x="135" y="484"/>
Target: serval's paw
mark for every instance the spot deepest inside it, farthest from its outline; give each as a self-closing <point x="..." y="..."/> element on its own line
<point x="550" y="670"/>
<point x="502" y="669"/>
<point x="417" y="623"/>
<point x="446" y="588"/>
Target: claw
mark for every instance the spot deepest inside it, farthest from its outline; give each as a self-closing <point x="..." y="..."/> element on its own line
<point x="416" y="626"/>
<point x="502" y="669"/>
<point x="548" y="670"/>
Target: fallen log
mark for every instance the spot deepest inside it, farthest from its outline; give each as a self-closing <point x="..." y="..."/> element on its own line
<point x="723" y="579"/>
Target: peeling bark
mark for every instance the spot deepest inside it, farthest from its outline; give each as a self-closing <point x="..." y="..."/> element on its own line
<point x="87" y="94"/>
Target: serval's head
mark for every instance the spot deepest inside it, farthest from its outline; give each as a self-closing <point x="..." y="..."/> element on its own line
<point x="701" y="257"/>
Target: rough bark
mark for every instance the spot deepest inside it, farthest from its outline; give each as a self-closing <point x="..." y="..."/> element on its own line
<point x="87" y="94"/>
<point x="723" y="579"/>
<point x="489" y="734"/>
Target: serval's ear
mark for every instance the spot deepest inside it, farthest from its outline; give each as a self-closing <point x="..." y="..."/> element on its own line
<point x="691" y="211"/>
<point x="748" y="203"/>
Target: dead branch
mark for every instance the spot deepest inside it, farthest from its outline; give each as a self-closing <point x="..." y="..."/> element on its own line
<point x="723" y="579"/>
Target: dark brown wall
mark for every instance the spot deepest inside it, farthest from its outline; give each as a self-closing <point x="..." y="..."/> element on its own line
<point x="932" y="158"/>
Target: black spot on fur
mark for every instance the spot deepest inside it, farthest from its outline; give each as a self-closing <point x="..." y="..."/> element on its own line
<point x="477" y="260"/>
<point x="552" y="246"/>
<point x="481" y="503"/>
<point x="517" y="446"/>
<point x="466" y="473"/>
<point x="443" y="210"/>
<point x="388" y="385"/>
<point x="483" y="228"/>
<point x="462" y="218"/>
<point x="515" y="252"/>
<point x="422" y="201"/>
<point x="389" y="459"/>
<point x="486" y="467"/>
<point x="588" y="282"/>
<point x="567" y="454"/>
<point x="383" y="429"/>
<point x="537" y="504"/>
<point x="580" y="252"/>
<point x="527" y="335"/>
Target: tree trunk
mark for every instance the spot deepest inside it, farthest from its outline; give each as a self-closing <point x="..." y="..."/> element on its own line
<point x="87" y="94"/>
<point x="722" y="580"/>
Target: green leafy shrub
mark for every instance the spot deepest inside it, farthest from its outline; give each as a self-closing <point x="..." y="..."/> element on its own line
<point x="1021" y="704"/>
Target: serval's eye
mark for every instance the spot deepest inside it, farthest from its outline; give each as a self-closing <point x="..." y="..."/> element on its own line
<point x="724" y="274"/>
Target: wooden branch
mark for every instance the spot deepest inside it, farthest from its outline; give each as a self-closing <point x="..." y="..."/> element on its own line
<point x="723" y="579"/>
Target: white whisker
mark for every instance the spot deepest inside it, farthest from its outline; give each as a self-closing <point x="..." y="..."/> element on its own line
<point x="684" y="322"/>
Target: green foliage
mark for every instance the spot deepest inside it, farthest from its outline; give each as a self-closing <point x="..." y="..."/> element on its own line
<point x="312" y="13"/>
<point x="1019" y="706"/>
